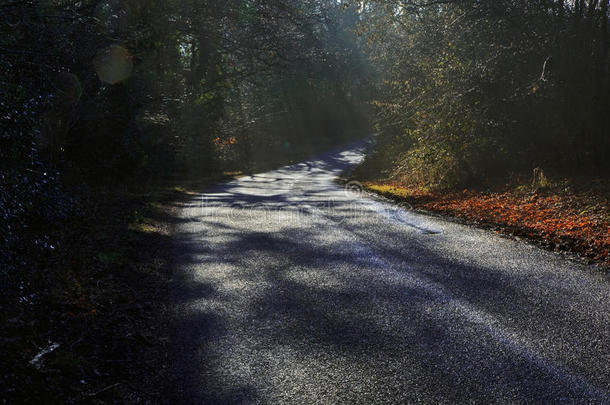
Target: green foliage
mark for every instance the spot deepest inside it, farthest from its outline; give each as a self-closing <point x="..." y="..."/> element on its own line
<point x="100" y="93"/>
<point x="480" y="89"/>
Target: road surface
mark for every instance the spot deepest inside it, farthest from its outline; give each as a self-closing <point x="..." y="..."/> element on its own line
<point x="291" y="289"/>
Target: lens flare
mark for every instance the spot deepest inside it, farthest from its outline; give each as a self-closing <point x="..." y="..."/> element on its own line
<point x="113" y="64"/>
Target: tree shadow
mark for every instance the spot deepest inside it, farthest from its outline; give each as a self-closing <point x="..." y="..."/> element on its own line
<point x="402" y="319"/>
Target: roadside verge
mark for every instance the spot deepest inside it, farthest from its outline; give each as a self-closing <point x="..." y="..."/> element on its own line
<point x="569" y="222"/>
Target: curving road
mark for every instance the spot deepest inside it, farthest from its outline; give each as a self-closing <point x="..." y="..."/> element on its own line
<point x="291" y="289"/>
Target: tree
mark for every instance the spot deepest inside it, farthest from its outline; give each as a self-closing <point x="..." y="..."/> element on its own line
<point x="473" y="90"/>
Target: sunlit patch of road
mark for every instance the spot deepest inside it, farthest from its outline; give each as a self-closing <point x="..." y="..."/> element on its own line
<point x="292" y="288"/>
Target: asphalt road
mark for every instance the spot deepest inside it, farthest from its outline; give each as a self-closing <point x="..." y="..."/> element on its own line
<point x="292" y="289"/>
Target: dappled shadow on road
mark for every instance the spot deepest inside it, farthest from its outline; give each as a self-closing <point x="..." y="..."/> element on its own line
<point x="314" y="309"/>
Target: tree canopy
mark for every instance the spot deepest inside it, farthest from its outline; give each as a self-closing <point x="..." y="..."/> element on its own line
<point x="476" y="89"/>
